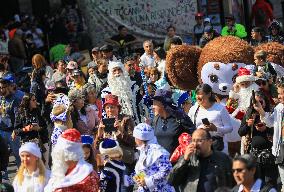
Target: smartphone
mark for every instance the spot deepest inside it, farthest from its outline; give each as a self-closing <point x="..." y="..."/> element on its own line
<point x="253" y="97"/>
<point x="205" y="121"/>
<point x="109" y="125"/>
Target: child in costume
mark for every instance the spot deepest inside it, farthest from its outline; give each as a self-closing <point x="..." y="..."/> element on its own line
<point x="153" y="165"/>
<point x="111" y="177"/>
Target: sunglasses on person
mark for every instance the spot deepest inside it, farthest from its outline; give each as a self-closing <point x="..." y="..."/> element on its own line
<point x="238" y="170"/>
<point x="259" y="83"/>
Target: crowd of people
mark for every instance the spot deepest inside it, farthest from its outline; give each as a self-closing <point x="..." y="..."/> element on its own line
<point x="124" y="126"/>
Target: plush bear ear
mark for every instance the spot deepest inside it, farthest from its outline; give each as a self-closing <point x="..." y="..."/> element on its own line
<point x="227" y="49"/>
<point x="274" y="50"/>
<point x="181" y="66"/>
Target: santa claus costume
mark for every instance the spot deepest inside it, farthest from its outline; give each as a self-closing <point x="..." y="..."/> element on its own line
<point x="243" y="94"/>
<point x="70" y="173"/>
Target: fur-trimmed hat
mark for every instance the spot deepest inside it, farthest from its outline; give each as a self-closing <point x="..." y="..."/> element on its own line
<point x="31" y="148"/>
<point x="114" y="64"/>
<point x="144" y="132"/>
<point x="70" y="143"/>
<point x="244" y="75"/>
<point x="110" y="148"/>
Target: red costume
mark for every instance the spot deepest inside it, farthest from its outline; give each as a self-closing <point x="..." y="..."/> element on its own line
<point x="89" y="184"/>
<point x="77" y="177"/>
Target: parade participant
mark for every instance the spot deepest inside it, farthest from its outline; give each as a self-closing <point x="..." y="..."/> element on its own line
<point x="153" y="165"/>
<point x="233" y="28"/>
<point x="119" y="84"/>
<point x="69" y="170"/>
<point x="111" y="177"/>
<point x="60" y="116"/>
<point x="201" y="168"/>
<point x="245" y="84"/>
<point x="32" y="175"/>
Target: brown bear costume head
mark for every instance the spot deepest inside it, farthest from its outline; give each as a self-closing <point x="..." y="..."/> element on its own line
<point x="184" y="65"/>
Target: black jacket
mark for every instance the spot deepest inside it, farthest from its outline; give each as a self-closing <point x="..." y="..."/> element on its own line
<point x="187" y="174"/>
<point x="4" y="155"/>
<point x="31" y="117"/>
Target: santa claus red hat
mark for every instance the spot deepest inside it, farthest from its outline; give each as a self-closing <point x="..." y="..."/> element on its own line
<point x="244" y="75"/>
<point x="70" y="142"/>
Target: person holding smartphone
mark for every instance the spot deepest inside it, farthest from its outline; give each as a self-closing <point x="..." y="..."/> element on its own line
<point x="257" y="139"/>
<point x="120" y="127"/>
<point x="212" y="116"/>
<point x="252" y="125"/>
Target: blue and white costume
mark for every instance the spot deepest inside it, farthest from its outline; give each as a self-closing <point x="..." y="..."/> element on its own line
<point x="153" y="162"/>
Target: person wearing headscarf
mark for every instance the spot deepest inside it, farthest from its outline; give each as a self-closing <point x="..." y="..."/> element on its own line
<point x="153" y="165"/>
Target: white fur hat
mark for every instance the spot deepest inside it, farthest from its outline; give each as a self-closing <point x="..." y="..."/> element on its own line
<point x="114" y="64"/>
<point x="144" y="132"/>
<point x="110" y="148"/>
<point x="244" y="75"/>
<point x="30" y="147"/>
<point x="70" y="142"/>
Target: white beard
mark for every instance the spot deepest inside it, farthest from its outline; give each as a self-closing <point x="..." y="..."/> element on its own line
<point x="245" y="96"/>
<point x="59" y="168"/>
<point x="121" y="87"/>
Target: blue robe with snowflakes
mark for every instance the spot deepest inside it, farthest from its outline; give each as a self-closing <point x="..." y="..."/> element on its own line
<point x="154" y="163"/>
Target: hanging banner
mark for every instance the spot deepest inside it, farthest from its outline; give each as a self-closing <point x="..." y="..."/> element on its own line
<point x="146" y="19"/>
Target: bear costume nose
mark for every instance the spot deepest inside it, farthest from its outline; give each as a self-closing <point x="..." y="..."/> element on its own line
<point x="225" y="87"/>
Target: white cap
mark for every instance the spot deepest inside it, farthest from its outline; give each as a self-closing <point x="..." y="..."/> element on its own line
<point x="30" y="147"/>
